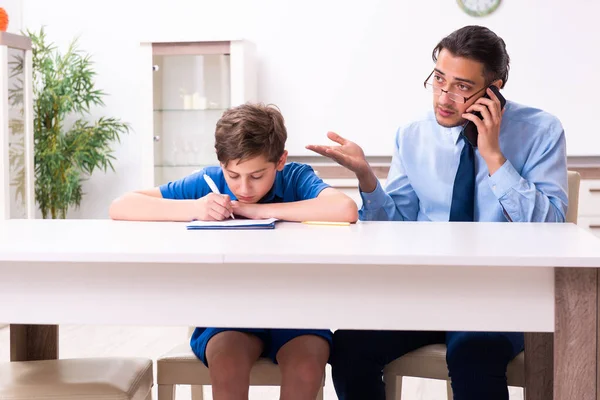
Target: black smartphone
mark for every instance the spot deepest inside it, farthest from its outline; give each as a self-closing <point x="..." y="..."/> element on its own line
<point x="470" y="129"/>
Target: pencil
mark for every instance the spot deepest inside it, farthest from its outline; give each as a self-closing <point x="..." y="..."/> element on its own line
<point x="326" y="223"/>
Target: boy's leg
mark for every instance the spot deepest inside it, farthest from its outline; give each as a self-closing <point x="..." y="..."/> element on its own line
<point x="477" y="363"/>
<point x="359" y="357"/>
<point x="230" y="355"/>
<point x="302" y="356"/>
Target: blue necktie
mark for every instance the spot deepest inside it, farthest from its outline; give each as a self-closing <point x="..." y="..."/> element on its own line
<point x="463" y="193"/>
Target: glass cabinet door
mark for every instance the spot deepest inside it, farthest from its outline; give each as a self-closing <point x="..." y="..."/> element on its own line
<point x="190" y="93"/>
<point x="16" y="128"/>
<point x="16" y="134"/>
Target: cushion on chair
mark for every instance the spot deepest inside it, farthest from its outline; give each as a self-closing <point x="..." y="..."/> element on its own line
<point x="180" y="366"/>
<point x="430" y="362"/>
<point x="426" y="362"/>
<point x="516" y="371"/>
<point x="97" y="378"/>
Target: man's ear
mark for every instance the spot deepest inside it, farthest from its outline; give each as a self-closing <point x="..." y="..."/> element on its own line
<point x="498" y="83"/>
<point x="282" y="161"/>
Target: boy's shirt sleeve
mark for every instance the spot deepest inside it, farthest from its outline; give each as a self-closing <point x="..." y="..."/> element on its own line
<point x="306" y="183"/>
<point x="191" y="187"/>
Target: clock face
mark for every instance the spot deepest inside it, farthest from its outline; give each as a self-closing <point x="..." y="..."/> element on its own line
<point x="478" y="8"/>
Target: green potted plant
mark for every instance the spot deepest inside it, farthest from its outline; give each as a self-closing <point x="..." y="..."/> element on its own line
<point x="68" y="146"/>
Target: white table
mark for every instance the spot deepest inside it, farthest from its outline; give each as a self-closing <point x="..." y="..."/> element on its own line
<point x="379" y="275"/>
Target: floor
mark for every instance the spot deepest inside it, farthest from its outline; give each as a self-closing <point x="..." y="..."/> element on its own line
<point x="151" y="342"/>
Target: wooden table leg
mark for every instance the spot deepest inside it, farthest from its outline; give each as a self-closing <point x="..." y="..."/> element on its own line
<point x="576" y="334"/>
<point x="539" y="366"/>
<point x="33" y="342"/>
<point x="598" y="336"/>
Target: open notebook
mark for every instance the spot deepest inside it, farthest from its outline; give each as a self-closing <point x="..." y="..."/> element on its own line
<point x="234" y="224"/>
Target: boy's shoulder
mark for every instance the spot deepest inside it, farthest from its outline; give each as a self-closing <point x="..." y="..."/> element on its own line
<point x="296" y="167"/>
<point x="298" y="181"/>
<point x="294" y="172"/>
<point x="214" y="171"/>
<point x="193" y="186"/>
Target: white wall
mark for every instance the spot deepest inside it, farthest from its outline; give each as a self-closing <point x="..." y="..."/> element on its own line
<point x="354" y="67"/>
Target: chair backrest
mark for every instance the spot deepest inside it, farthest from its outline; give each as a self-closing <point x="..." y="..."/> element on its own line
<point x="573" y="182"/>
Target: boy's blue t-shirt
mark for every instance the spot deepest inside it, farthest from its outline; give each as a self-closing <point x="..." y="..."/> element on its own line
<point x="295" y="182"/>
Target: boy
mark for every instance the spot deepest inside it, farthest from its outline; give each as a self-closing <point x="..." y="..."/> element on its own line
<point x="255" y="183"/>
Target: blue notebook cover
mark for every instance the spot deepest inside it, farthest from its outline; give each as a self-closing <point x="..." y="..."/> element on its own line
<point x="233" y="224"/>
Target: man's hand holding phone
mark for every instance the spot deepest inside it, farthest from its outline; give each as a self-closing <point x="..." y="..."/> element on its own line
<point x="488" y="128"/>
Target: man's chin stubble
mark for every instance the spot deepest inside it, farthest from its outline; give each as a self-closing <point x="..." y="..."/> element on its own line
<point x="459" y="123"/>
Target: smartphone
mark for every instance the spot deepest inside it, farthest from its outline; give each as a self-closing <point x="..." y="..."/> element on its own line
<point x="470" y="129"/>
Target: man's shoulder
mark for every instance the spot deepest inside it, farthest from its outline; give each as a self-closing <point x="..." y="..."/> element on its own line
<point x="423" y="121"/>
<point x="535" y="117"/>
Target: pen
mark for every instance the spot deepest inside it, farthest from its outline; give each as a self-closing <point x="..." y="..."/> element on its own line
<point x="214" y="188"/>
<point x="326" y="223"/>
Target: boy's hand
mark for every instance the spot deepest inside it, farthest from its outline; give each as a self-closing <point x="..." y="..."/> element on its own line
<point x="213" y="207"/>
<point x="250" y="211"/>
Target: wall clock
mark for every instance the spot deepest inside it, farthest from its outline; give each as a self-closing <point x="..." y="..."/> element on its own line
<point x="478" y="8"/>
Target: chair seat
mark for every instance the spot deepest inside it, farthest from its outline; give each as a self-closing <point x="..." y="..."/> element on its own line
<point x="97" y="378"/>
<point x="425" y="362"/>
<point x="430" y="362"/>
<point x="180" y="366"/>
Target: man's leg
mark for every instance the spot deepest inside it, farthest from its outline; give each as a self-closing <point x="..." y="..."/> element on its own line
<point x="359" y="357"/>
<point x="477" y="362"/>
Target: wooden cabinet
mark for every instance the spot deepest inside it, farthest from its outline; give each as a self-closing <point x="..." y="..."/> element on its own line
<point x="589" y="205"/>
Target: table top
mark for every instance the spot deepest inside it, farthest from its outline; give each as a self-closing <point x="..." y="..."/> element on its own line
<point x="377" y="243"/>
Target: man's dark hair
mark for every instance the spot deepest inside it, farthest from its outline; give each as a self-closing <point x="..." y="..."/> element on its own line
<point x="480" y="44"/>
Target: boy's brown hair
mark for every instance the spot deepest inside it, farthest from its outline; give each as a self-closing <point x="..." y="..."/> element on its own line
<point x="250" y="130"/>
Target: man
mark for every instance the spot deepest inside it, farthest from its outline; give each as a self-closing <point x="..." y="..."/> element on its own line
<point x="516" y="172"/>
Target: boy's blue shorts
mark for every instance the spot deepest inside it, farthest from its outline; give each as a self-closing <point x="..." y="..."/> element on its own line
<point x="273" y="339"/>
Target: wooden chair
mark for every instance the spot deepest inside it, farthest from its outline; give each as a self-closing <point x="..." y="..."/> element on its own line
<point x="83" y="378"/>
<point x="430" y="361"/>
<point x="180" y="366"/>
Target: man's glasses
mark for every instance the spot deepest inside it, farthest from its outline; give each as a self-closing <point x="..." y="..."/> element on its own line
<point x="455" y="97"/>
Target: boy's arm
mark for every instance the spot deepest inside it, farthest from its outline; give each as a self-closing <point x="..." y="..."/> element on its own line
<point x="330" y="205"/>
<point x="149" y="205"/>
